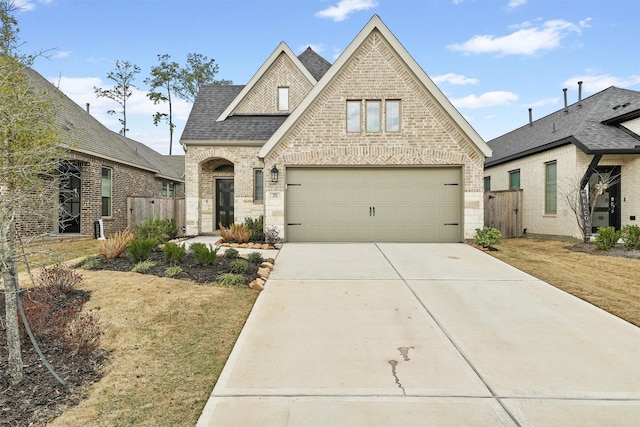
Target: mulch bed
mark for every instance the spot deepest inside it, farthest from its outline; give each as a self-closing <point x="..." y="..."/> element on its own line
<point x="617" y="250"/>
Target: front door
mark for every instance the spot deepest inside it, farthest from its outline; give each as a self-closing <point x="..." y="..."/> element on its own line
<point x="224" y="202"/>
<point x="606" y="212"/>
<point x="69" y="201"/>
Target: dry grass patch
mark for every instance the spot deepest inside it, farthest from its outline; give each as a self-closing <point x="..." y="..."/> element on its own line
<point x="167" y="340"/>
<point x="610" y="283"/>
<point x="43" y="253"/>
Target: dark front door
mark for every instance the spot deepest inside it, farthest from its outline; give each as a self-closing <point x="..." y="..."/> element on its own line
<point x="606" y="212"/>
<point x="69" y="201"/>
<point x="224" y="202"/>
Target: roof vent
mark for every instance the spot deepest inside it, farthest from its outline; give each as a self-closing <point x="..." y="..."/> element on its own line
<point x="580" y="93"/>
<point x="530" y="116"/>
<point x="565" y="99"/>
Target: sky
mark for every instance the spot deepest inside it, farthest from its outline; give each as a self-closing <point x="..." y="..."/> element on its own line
<point x="493" y="59"/>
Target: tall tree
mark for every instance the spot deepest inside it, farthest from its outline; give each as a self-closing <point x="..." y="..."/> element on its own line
<point x="123" y="77"/>
<point x="164" y="82"/>
<point x="199" y="71"/>
<point x="29" y="159"/>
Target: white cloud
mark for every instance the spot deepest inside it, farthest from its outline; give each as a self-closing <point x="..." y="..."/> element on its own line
<point x="593" y="83"/>
<point x="487" y="99"/>
<point x="516" y="3"/>
<point x="316" y="47"/>
<point x="344" y="8"/>
<point x="528" y="39"/>
<point x="27" y="5"/>
<point x="59" y="54"/>
<point x="544" y="102"/>
<point x="455" y="79"/>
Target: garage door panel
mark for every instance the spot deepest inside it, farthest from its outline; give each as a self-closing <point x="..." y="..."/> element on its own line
<point x="374" y="204"/>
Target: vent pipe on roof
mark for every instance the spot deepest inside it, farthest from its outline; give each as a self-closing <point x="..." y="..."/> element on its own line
<point x="530" y="116"/>
<point x="580" y="92"/>
<point x="565" y="99"/>
<point x="88" y="108"/>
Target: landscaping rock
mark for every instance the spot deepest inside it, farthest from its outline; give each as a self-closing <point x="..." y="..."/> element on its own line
<point x="266" y="264"/>
<point x="263" y="272"/>
<point x="257" y="285"/>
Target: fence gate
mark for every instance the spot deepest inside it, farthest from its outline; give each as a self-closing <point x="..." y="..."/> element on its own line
<point x="503" y="210"/>
<point x="140" y="209"/>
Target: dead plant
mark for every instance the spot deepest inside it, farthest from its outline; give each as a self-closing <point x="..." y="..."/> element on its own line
<point x="115" y="244"/>
<point x="225" y="233"/>
<point x="240" y="233"/>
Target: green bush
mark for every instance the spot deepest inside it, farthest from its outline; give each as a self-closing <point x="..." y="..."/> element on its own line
<point x="239" y="266"/>
<point x="256" y="228"/>
<point x="203" y="254"/>
<point x="255" y="258"/>
<point x="487" y="237"/>
<point x="140" y="249"/>
<point x="143" y="266"/>
<point x="231" y="279"/>
<point x="606" y="238"/>
<point x="162" y="230"/>
<point x="174" y="253"/>
<point x="231" y="253"/>
<point x="172" y="271"/>
<point x="630" y="236"/>
<point x="89" y="263"/>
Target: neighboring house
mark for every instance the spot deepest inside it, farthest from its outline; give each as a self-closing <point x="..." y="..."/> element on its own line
<point x="554" y="157"/>
<point x="101" y="171"/>
<point x="365" y="149"/>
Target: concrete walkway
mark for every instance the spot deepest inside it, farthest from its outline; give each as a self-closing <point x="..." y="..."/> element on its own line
<point x="423" y="334"/>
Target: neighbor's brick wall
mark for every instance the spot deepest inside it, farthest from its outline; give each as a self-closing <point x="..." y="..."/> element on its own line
<point x="428" y="136"/>
<point x="263" y="98"/>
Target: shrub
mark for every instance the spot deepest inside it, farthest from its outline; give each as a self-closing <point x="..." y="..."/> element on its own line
<point x="143" y="266"/>
<point x="232" y="279"/>
<point x="140" y="248"/>
<point x="630" y="235"/>
<point x="225" y="233"/>
<point x="487" y="237"/>
<point x="38" y="315"/>
<point x="59" y="280"/>
<point x="203" y="254"/>
<point x="89" y="263"/>
<point x="174" y="253"/>
<point x="82" y="334"/>
<point x="161" y="230"/>
<point x="235" y="233"/>
<point x="172" y="271"/>
<point x="255" y="258"/>
<point x="606" y="238"/>
<point x="272" y="235"/>
<point x="231" y="253"/>
<point x="239" y="266"/>
<point x="115" y="244"/>
<point x="256" y="228"/>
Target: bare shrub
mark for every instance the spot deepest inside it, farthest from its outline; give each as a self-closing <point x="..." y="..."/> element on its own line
<point x="59" y="280"/>
<point x="83" y="333"/>
<point x="115" y="244"/>
<point x="38" y="315"/>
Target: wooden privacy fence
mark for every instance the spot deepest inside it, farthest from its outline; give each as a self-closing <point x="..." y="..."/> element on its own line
<point x="503" y="210"/>
<point x="140" y="209"/>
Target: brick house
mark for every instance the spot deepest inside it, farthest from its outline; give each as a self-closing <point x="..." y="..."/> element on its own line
<point x="364" y="149"/>
<point x="569" y="150"/>
<point x="102" y="170"/>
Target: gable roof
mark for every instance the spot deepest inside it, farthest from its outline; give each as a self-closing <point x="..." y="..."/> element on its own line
<point x="282" y="48"/>
<point x="590" y="124"/>
<point x="315" y="63"/>
<point x="82" y="133"/>
<point x="375" y="23"/>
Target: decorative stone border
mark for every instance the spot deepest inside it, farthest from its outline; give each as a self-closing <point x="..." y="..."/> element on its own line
<point x="264" y="246"/>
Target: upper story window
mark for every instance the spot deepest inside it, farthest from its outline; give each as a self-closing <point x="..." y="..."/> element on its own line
<point x="283" y="99"/>
<point x="373" y="116"/>
<point x="514" y="180"/>
<point x="107" y="185"/>
<point x="353" y="116"/>
<point x="168" y="189"/>
<point x="392" y="110"/>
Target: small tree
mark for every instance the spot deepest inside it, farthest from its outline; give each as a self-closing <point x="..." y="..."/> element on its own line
<point x="123" y="77"/>
<point x="164" y="82"/>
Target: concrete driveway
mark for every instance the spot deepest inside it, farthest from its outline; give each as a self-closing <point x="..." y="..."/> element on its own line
<point x="423" y="334"/>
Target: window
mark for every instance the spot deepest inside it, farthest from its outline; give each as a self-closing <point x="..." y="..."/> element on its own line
<point x="168" y="189"/>
<point x="551" y="188"/>
<point x="106" y="191"/>
<point x="373" y="116"/>
<point x="283" y="99"/>
<point x="392" y="109"/>
<point x="353" y="116"/>
<point x="487" y="183"/>
<point x="514" y="180"/>
<point x="258" y="185"/>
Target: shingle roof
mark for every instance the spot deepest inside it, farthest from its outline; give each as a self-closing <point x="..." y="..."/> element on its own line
<point x="313" y="62"/>
<point x="81" y="132"/>
<point x="210" y="103"/>
<point x="589" y="124"/>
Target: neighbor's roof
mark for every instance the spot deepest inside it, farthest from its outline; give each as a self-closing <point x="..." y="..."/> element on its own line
<point x="591" y="124"/>
<point x="211" y="119"/>
<point x="82" y="133"/>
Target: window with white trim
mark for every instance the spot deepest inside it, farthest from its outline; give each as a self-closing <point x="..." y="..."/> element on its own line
<point x="107" y="185"/>
<point x="283" y="98"/>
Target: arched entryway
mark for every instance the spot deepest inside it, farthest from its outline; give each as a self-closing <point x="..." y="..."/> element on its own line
<point x="217" y="185"/>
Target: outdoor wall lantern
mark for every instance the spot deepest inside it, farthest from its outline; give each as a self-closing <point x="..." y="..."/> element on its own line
<point x="274" y="174"/>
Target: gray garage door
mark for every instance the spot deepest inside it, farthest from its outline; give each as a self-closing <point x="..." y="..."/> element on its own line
<point x="374" y="204"/>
